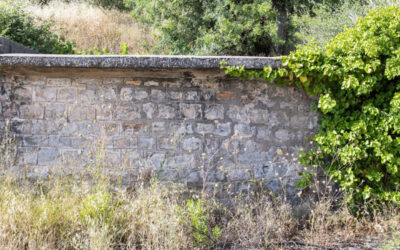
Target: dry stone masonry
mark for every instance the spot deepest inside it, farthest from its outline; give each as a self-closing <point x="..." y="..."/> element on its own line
<point x="179" y="118"/>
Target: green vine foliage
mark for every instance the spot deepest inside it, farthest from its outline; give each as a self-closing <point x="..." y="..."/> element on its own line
<point x="357" y="79"/>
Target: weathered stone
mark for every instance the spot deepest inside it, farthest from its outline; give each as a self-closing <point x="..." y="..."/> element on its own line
<point x="173" y="119"/>
<point x="81" y="113"/>
<point x="191" y="144"/>
<point x="238" y="174"/>
<point x="55" y="111"/>
<point x="171" y="84"/>
<point x="175" y="95"/>
<point x="225" y="95"/>
<point x="282" y="135"/>
<point x="43" y="94"/>
<point x="130" y="82"/>
<point x="66" y="95"/>
<point x="58" y="82"/>
<point x="157" y="95"/>
<point x="149" y="109"/>
<point x="23" y="93"/>
<point x="104" y="112"/>
<point x="146" y="143"/>
<point x="192" y="96"/>
<point x="264" y="133"/>
<point x="158" y="127"/>
<point x="151" y="84"/>
<point x="167" y="143"/>
<point x="223" y="129"/>
<point x="127" y="113"/>
<point x="35" y="140"/>
<point x="299" y="121"/>
<point x="191" y="111"/>
<point x="140" y="94"/>
<point x="204" y="128"/>
<point x="126" y="94"/>
<point x="166" y="111"/>
<point x="244" y="130"/>
<point x="214" y="112"/>
<point x="125" y="142"/>
<point x="135" y="128"/>
<point x="34" y="111"/>
<point x="48" y="156"/>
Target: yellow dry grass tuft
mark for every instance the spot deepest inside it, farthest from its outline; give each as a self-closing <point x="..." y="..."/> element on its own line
<point x="90" y="26"/>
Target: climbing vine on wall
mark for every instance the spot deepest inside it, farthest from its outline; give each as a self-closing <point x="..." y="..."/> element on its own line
<point x="357" y="79"/>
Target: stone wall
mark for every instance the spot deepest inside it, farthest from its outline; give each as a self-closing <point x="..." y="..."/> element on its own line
<point x="186" y="125"/>
<point x="8" y="46"/>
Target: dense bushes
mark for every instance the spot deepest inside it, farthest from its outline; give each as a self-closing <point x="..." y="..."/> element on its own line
<point x="20" y="27"/>
<point x="357" y="77"/>
<point x="251" y="27"/>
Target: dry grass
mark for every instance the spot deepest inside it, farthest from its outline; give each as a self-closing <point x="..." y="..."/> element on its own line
<point x="90" y="26"/>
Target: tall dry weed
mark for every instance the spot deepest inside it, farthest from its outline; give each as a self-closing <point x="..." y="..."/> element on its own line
<point x="90" y="26"/>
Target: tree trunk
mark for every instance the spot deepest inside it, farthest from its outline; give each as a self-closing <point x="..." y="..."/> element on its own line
<point x="282" y="23"/>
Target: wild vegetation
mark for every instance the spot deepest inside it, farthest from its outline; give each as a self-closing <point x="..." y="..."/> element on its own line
<point x="356" y="77"/>
<point x="90" y="210"/>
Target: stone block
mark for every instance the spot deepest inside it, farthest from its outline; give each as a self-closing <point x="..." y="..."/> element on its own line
<point x="245" y="130"/>
<point x="55" y="111"/>
<point x="282" y="135"/>
<point x="191" y="144"/>
<point x="157" y="95"/>
<point x="45" y="94"/>
<point x="167" y="143"/>
<point x="238" y="174"/>
<point x="264" y="133"/>
<point x="175" y="84"/>
<point x="191" y="111"/>
<point x="146" y="143"/>
<point x="204" y="128"/>
<point x="135" y="128"/>
<point x="87" y="95"/>
<point x="175" y="95"/>
<point x="158" y="127"/>
<point x="66" y="95"/>
<point x="132" y="82"/>
<point x="223" y="129"/>
<point x="214" y="112"/>
<point x="58" y="82"/>
<point x="149" y="109"/>
<point x="104" y="112"/>
<point x="166" y="111"/>
<point x="126" y="94"/>
<point x="106" y="94"/>
<point x="125" y="142"/>
<point x="140" y="94"/>
<point x="81" y="113"/>
<point x="151" y="83"/>
<point x="23" y="93"/>
<point x="299" y="121"/>
<point x="32" y="111"/>
<point x="192" y="96"/>
<point x="35" y="141"/>
<point x="48" y="156"/>
<point x="123" y="113"/>
<point x="225" y="95"/>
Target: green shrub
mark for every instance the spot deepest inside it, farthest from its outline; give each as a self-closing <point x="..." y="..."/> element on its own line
<point x="357" y="77"/>
<point x="202" y="232"/>
<point x="326" y="21"/>
<point x="19" y="26"/>
<point x="210" y="27"/>
<point x="108" y="4"/>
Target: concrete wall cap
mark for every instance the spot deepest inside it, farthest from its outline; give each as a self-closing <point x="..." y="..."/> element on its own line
<point x="135" y="61"/>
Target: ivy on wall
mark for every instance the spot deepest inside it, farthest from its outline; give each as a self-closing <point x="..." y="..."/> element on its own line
<point x="357" y="79"/>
